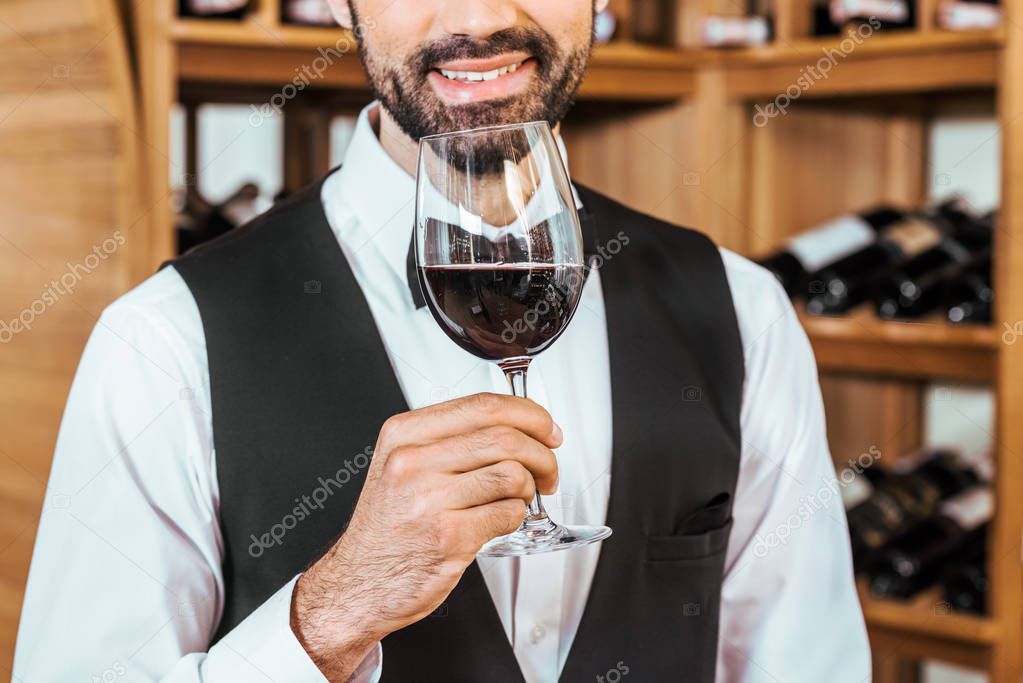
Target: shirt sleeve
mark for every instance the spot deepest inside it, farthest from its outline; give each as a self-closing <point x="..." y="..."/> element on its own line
<point x="125" y="582"/>
<point x="790" y="611"/>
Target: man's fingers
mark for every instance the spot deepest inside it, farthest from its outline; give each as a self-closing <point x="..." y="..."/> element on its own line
<point x="502" y="480"/>
<point x="468" y="414"/>
<point x="470" y="452"/>
<point x="492" y="520"/>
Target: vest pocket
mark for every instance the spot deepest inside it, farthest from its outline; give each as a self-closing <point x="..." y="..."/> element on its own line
<point x="684" y="547"/>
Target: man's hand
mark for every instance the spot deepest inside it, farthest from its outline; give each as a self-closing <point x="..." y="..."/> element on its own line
<point x="444" y="480"/>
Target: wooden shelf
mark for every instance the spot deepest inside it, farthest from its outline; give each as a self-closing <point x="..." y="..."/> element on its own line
<point x="906" y="62"/>
<point x="254" y="53"/>
<point x="923" y="627"/>
<point x="237" y="52"/>
<point x="862" y="343"/>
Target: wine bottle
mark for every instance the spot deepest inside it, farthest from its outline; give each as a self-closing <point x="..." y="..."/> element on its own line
<point x="307" y="13"/>
<point x="916" y="559"/>
<point x="964" y="585"/>
<point x="971" y="297"/>
<point x="821" y="23"/>
<point x="201" y="221"/>
<point x="214" y="9"/>
<point x="852" y="280"/>
<point x="822" y="246"/>
<point x="877" y="14"/>
<point x="900" y="500"/>
<point x="918" y="286"/>
<point x="960" y="15"/>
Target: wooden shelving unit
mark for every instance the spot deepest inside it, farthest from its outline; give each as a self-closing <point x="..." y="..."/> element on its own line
<point x="252" y="53"/>
<point x="744" y="184"/>
<point x="861" y="343"/>
<point x="924" y="629"/>
<point x="874" y="108"/>
<point x="909" y="62"/>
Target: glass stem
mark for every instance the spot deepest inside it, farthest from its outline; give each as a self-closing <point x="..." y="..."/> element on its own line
<point x="515" y="370"/>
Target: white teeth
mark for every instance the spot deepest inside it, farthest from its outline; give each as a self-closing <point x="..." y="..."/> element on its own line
<point x="475" y="76"/>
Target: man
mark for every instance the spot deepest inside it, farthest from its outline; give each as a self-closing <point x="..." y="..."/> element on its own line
<point x="240" y="491"/>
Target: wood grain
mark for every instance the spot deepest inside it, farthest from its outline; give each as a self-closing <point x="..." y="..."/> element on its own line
<point x="69" y="158"/>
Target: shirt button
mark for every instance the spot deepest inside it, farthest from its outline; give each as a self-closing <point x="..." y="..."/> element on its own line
<point x="536" y="634"/>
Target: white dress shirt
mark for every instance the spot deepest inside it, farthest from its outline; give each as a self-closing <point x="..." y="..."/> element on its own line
<point x="126" y="578"/>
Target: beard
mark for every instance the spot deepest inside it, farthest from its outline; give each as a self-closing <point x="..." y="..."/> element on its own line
<point x="407" y="95"/>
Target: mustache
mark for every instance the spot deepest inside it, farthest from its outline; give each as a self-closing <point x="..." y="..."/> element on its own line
<point x="534" y="40"/>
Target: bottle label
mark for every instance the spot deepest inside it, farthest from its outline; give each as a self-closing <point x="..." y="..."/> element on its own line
<point x="856" y="490"/>
<point x="215" y="6"/>
<point x="309" y="12"/>
<point x="831" y="242"/>
<point x="913" y="236"/>
<point x="962" y="16"/>
<point x="892" y="11"/>
<point x="721" y="31"/>
<point x="970" y="509"/>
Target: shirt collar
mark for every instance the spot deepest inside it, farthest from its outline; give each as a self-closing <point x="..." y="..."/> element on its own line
<point x="381" y="194"/>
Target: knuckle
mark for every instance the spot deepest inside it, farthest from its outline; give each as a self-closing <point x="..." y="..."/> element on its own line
<point x="551" y="461"/>
<point x="390" y="430"/>
<point x="489" y="404"/>
<point x="521" y="479"/>
<point x="502" y="474"/>
<point x="504" y="438"/>
<point x="508" y="476"/>
<point x="399" y="463"/>
<point x="418" y="506"/>
<point x="511" y="516"/>
<point x="447" y="533"/>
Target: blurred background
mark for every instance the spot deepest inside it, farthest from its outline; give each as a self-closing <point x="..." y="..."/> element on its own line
<point x="869" y="152"/>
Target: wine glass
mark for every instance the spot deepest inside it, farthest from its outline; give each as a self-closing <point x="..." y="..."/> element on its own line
<point x="499" y="254"/>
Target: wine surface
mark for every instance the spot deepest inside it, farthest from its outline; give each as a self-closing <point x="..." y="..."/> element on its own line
<point x="502" y="311"/>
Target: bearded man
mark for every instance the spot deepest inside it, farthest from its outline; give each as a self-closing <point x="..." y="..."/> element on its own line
<point x="275" y="466"/>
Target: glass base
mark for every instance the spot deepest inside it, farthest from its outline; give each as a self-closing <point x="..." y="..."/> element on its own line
<point x="533" y="539"/>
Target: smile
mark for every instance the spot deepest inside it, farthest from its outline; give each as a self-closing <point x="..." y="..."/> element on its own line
<point x="480" y="80"/>
<point x="470" y="76"/>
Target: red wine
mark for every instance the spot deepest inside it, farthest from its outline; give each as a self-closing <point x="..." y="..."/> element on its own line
<point x="502" y="311"/>
<point x="916" y="559"/>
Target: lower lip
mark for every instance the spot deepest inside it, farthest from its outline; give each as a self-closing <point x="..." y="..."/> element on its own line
<point x="463" y="92"/>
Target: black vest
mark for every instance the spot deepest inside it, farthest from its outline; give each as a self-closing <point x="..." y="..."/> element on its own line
<point x="301" y="382"/>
